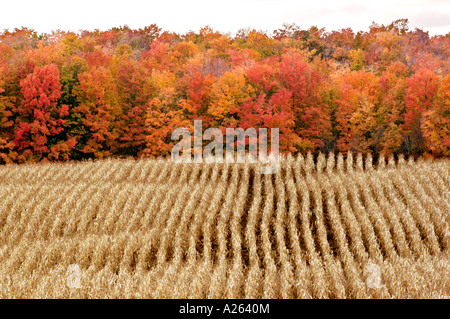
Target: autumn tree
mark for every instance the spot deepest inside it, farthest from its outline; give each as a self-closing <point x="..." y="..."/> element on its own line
<point x="388" y="136"/>
<point x="340" y="43"/>
<point x="273" y="112"/>
<point x="420" y="97"/>
<point x="263" y="78"/>
<point x="134" y="90"/>
<point x="97" y="111"/>
<point x="229" y="91"/>
<point x="7" y="152"/>
<point x="163" y="115"/>
<point x="436" y="121"/>
<point x="195" y="88"/>
<point x="312" y="122"/>
<point x="356" y="115"/>
<point x="39" y="134"/>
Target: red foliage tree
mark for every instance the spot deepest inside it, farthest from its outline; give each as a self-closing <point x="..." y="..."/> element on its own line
<point x="41" y="117"/>
<point x="312" y="121"/>
<point x="420" y="98"/>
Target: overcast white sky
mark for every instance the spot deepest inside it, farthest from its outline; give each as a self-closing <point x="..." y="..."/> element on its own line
<point x="225" y="16"/>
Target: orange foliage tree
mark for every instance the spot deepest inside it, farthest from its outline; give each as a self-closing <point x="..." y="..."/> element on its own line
<point x="356" y="115"/>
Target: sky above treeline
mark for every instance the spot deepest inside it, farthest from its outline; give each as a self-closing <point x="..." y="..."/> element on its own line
<point x="224" y="16"/>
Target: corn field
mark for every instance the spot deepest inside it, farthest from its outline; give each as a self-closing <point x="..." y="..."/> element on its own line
<point x="330" y="226"/>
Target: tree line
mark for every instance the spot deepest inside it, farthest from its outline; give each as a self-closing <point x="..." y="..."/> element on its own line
<point x="121" y="92"/>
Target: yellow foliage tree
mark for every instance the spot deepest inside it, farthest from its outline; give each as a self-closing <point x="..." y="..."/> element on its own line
<point x="230" y="90"/>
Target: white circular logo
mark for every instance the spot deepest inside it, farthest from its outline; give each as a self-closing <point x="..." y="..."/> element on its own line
<point x="73" y="276"/>
<point x="373" y="276"/>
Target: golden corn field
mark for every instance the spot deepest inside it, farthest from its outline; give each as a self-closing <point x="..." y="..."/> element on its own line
<point x="325" y="227"/>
